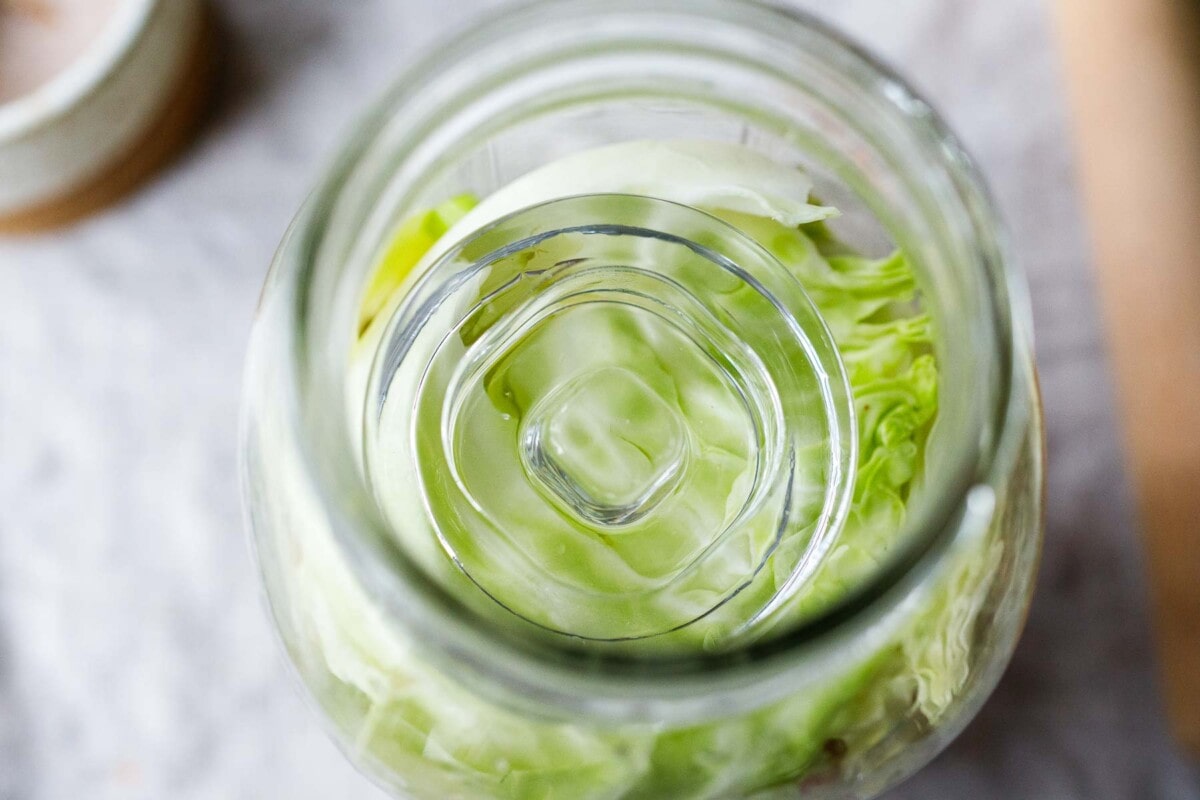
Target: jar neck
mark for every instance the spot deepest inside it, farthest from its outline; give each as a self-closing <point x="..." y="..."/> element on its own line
<point x="782" y="83"/>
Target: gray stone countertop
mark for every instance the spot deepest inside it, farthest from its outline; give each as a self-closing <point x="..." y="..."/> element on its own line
<point x="136" y="660"/>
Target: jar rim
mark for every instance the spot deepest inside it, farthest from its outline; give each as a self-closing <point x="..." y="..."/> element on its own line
<point x="561" y="672"/>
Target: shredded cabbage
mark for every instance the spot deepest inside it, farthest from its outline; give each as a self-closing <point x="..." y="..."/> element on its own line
<point x="438" y="740"/>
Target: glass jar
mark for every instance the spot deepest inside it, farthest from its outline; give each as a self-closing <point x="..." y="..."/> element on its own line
<point x="437" y="692"/>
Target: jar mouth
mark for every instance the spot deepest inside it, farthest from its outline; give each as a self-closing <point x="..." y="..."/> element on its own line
<point x="348" y="216"/>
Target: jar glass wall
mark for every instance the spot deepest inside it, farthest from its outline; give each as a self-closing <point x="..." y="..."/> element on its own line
<point x="434" y="689"/>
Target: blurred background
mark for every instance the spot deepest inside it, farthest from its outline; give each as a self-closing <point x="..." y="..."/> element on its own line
<point x="136" y="658"/>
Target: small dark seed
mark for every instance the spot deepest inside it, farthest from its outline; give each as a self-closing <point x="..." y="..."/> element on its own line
<point x="835" y="748"/>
